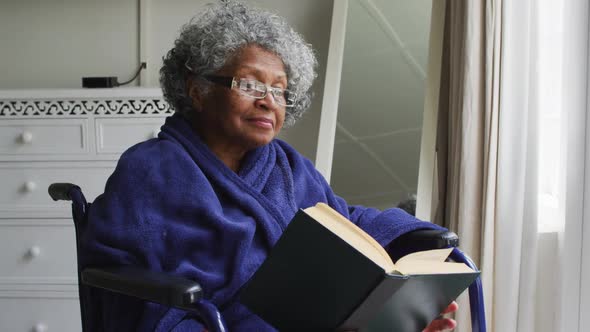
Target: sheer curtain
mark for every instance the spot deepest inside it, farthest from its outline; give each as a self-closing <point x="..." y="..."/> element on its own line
<point x="574" y="170"/>
<point x="510" y="160"/>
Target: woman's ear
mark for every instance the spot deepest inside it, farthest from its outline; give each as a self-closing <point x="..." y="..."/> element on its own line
<point x="195" y="93"/>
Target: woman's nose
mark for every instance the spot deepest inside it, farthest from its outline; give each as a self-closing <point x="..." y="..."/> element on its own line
<point x="267" y="102"/>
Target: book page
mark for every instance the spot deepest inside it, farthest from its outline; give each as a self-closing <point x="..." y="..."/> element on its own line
<point x="430" y="262"/>
<point x="437" y="255"/>
<point x="352" y="234"/>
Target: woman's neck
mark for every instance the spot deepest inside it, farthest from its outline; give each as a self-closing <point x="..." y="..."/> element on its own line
<point x="229" y="153"/>
<point x="231" y="159"/>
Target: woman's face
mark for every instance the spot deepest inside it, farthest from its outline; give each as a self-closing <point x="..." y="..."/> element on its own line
<point x="231" y="120"/>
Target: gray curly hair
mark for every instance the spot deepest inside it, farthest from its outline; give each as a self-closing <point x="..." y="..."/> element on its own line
<point x="209" y="40"/>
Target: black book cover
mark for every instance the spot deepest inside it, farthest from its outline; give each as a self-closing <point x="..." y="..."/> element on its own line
<point x="315" y="281"/>
<point x="413" y="304"/>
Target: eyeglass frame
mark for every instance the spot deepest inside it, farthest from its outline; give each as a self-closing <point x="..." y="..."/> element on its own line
<point x="231" y="82"/>
<point x="234" y="82"/>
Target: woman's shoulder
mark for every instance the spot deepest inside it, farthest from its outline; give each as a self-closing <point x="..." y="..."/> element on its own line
<point x="298" y="163"/>
<point x="155" y="167"/>
<point x="153" y="154"/>
<point x="149" y="147"/>
<point x="291" y="152"/>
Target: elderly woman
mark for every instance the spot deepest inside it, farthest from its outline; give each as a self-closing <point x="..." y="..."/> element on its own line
<point x="212" y="194"/>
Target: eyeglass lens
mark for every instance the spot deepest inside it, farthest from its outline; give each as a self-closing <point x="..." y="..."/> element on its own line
<point x="259" y="90"/>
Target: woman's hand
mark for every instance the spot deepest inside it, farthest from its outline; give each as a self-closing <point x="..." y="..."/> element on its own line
<point x="441" y="324"/>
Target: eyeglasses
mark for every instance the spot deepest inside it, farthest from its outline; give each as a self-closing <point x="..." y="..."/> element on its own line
<point x="255" y="89"/>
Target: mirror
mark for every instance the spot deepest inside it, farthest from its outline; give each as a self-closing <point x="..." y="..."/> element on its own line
<point x="381" y="103"/>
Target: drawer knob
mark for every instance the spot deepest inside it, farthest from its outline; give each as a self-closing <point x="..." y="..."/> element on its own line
<point x="40" y="327"/>
<point x="26" y="137"/>
<point x="30" y="186"/>
<point x="34" y="251"/>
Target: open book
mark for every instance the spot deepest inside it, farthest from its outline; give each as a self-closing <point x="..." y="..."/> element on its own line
<point x="423" y="262"/>
<point x="325" y="273"/>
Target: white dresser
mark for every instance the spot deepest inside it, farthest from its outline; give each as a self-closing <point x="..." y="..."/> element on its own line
<point x="51" y="136"/>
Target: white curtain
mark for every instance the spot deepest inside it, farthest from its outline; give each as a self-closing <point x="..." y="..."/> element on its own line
<point x="510" y="160"/>
<point x="512" y="266"/>
<point x="574" y="168"/>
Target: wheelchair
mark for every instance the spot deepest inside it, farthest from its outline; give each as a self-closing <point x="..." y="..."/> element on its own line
<point x="178" y="292"/>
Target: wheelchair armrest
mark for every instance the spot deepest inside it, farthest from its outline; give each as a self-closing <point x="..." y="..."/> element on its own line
<point x="148" y="285"/>
<point x="61" y="191"/>
<point x="424" y="239"/>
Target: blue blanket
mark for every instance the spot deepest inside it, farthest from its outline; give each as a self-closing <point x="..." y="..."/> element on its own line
<point x="172" y="205"/>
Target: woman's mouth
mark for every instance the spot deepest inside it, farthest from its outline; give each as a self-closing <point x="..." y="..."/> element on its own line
<point x="262" y="122"/>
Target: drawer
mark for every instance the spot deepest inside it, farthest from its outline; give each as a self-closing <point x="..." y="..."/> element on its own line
<point x="39" y="314"/>
<point x="41" y="251"/>
<point x="44" y="137"/>
<point x="24" y="186"/>
<point x="115" y="135"/>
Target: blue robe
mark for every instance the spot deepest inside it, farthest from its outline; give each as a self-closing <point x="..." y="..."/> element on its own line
<point x="171" y="205"/>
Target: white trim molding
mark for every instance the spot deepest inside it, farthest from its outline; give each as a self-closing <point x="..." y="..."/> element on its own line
<point x="426" y="171"/>
<point x="329" y="116"/>
<point x="98" y="102"/>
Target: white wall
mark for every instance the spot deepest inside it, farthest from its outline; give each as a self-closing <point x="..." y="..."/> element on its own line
<point x="53" y="43"/>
